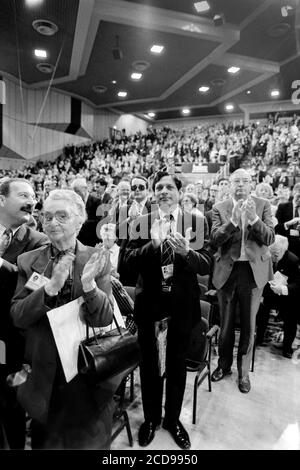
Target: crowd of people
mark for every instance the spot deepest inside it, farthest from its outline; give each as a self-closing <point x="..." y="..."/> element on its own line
<point x="115" y="215"/>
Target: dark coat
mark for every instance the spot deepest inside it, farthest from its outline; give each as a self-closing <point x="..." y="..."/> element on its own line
<point x="29" y="311"/>
<point x="25" y="239"/>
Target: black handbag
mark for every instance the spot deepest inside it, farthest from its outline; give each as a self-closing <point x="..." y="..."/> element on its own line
<point x="106" y="355"/>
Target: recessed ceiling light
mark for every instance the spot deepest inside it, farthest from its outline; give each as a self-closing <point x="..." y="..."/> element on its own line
<point x="122" y="94"/>
<point x="248" y="92"/>
<point x="33" y="3"/>
<point x="233" y="69"/>
<point x="186" y="111"/>
<point x="114" y="82"/>
<point x="157" y="49"/>
<point x="201" y="7"/>
<point x="275" y="93"/>
<point x="203" y="89"/>
<point x="136" y="75"/>
<point x="229" y="107"/>
<point x="40" y="53"/>
<point x="151" y="115"/>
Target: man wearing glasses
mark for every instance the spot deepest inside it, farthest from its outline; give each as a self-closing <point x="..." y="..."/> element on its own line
<point x="242" y="230"/>
<point x="140" y="205"/>
<point x="17" y="201"/>
<point x="65" y="415"/>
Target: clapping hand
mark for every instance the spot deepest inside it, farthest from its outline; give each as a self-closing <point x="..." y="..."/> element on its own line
<point x="276" y="288"/>
<point x="180" y="244"/>
<point x="94" y="267"/>
<point x="159" y="231"/>
<point x="294" y="221"/>
<point x="61" y="272"/>
<point x="237" y="212"/>
<point x="250" y="209"/>
<point x="134" y="211"/>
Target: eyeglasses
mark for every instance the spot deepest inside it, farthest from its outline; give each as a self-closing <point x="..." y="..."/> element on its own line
<point x="61" y="216"/>
<point x="241" y="180"/>
<point x="141" y="187"/>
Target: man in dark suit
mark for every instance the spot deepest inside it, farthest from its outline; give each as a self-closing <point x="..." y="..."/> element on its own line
<point x="139" y="205"/>
<point x="17" y="200"/>
<point x="242" y="230"/>
<point x="88" y="232"/>
<point x="167" y="287"/>
<point x="288" y="216"/>
<point x="283" y="293"/>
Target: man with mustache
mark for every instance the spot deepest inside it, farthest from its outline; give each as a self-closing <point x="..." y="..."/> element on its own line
<point x="17" y="201"/>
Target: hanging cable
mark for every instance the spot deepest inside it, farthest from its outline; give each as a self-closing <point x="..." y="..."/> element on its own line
<point x="47" y="92"/>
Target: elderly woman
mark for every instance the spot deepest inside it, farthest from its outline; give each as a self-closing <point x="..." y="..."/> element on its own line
<point x="265" y="191"/>
<point x="64" y="415"/>
<point x="189" y="203"/>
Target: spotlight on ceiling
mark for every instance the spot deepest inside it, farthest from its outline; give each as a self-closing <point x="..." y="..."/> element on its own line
<point x="117" y="51"/>
<point x="275" y="93"/>
<point x="151" y="114"/>
<point x="186" y="111"/>
<point x="136" y="75"/>
<point x="203" y="89"/>
<point x="157" y="49"/>
<point x="233" y="69"/>
<point x="229" y="107"/>
<point x="40" y="53"/>
<point x="201" y="7"/>
<point x="286" y="11"/>
<point x="248" y="92"/>
<point x="219" y="19"/>
<point x="122" y="94"/>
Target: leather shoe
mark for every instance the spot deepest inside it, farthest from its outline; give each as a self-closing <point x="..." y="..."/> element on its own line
<point x="244" y="384"/>
<point x="219" y="374"/>
<point x="288" y="354"/>
<point x="178" y="433"/>
<point x="146" y="433"/>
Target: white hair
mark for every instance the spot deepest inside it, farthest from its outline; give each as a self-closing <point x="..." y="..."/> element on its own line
<point x="280" y="242"/>
<point x="70" y="196"/>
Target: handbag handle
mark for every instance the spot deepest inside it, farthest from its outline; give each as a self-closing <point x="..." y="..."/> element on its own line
<point x="94" y="332"/>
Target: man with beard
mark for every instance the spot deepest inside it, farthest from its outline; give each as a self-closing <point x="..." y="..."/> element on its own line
<point x="17" y="201"/>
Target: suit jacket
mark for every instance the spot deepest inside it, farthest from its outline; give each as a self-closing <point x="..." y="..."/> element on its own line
<point x="285" y="212"/>
<point x="288" y="266"/>
<point x="88" y="232"/>
<point x="145" y="260"/>
<point x="25" y="239"/>
<point x="228" y="238"/>
<point x="29" y="311"/>
<point x="91" y="206"/>
<point x="127" y="276"/>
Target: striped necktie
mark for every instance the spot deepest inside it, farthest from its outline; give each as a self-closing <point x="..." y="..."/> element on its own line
<point x="167" y="254"/>
<point x="5" y="240"/>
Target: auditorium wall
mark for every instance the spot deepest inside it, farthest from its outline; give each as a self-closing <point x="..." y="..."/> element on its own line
<point x="37" y="127"/>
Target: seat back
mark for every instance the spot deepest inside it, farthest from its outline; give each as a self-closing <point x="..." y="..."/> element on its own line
<point x="198" y="344"/>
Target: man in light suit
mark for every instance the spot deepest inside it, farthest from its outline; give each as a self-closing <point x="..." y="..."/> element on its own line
<point x="242" y="230"/>
<point x="166" y="290"/>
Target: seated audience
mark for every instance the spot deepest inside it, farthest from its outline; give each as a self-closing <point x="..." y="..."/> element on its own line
<point x="282" y="293"/>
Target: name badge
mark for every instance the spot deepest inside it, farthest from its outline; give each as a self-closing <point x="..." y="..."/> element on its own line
<point x="36" y="281"/>
<point x="167" y="271"/>
<point x="294" y="233"/>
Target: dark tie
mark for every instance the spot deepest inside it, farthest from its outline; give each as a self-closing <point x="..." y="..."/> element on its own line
<point x="5" y="240"/>
<point x="65" y="295"/>
<point x="167" y="254"/>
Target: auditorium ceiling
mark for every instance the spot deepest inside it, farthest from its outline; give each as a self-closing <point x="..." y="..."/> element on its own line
<point x="97" y="44"/>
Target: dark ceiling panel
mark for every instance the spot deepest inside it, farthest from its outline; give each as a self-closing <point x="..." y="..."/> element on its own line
<point x="188" y="94"/>
<point x="178" y="58"/>
<point x="62" y="12"/>
<point x="257" y="40"/>
<point x="235" y="11"/>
